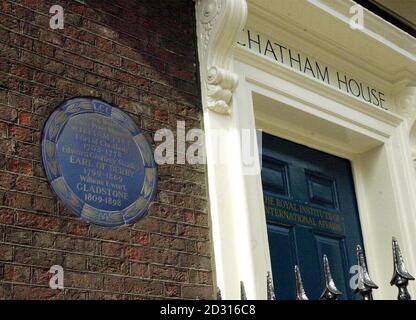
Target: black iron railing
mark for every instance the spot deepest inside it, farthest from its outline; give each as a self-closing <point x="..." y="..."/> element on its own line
<point x="365" y="285"/>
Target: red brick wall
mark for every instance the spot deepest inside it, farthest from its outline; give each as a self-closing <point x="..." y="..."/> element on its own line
<point x="139" y="55"/>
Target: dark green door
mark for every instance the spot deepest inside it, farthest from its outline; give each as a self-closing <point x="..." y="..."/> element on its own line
<point x="311" y="210"/>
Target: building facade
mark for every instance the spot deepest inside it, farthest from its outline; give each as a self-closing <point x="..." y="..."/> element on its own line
<point x="140" y="56"/>
<point x="335" y="102"/>
<point x="308" y="110"/>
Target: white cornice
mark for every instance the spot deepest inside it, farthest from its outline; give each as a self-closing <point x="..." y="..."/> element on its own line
<point x="218" y="24"/>
<point x="390" y="56"/>
<point x="375" y="27"/>
<point x="313" y="85"/>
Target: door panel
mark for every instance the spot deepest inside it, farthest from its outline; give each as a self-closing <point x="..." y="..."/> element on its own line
<point x="282" y="243"/>
<point x="311" y="210"/>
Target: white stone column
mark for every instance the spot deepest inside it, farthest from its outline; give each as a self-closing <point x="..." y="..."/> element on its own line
<point x="218" y="24"/>
<point x="406" y="107"/>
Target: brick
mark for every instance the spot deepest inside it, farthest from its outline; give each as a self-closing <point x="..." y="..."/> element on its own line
<point x="15" y="274"/>
<point x="21" y="292"/>
<point x="18" y="200"/>
<point x="191" y="247"/>
<point x="44" y="204"/>
<point x="139" y="270"/>
<point x="107" y="265"/>
<point x="96" y="295"/>
<point x="200" y="277"/>
<point x="76" y="244"/>
<point x="3" y="130"/>
<point x="201" y="219"/>
<point x="9" y="51"/>
<point x="27" y="151"/>
<point x="77" y="227"/>
<point x="110" y="234"/>
<point x="190" y="231"/>
<point x="6" y="252"/>
<point x="75" y="294"/>
<point x="178" y="72"/>
<point x="8" y="114"/>
<point x="74" y="59"/>
<point x="112" y="249"/>
<point x="44" y="78"/>
<point x="194" y="261"/>
<point x="7" y="180"/>
<point x="138" y="286"/>
<point x="168" y="273"/>
<point x="18" y="236"/>
<point x="43" y="49"/>
<point x="167" y="242"/>
<point x="137" y="253"/>
<point x="5" y="291"/>
<point x="42" y="276"/>
<point x="197" y="292"/>
<point x="20" y="133"/>
<point x="172" y="290"/>
<point x="145" y="66"/>
<point x="203" y="248"/>
<point x="21" y="71"/>
<point x="140" y="237"/>
<point x="19" y="101"/>
<point x="83" y="280"/>
<point x="101" y="30"/>
<point x="52" y="37"/>
<point x="55" y="67"/>
<point x="6" y="216"/>
<point x="37" y="221"/>
<point x="104" y="44"/>
<point x="75" y="73"/>
<point x="44" y="240"/>
<point x="33" y="185"/>
<point x="74" y="262"/>
<point x="103" y="70"/>
<point x="19" y="166"/>
<point x="113" y="284"/>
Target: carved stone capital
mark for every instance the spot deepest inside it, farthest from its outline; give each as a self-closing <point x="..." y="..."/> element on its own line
<point x="406" y="107"/>
<point x="406" y="103"/>
<point x="218" y="25"/>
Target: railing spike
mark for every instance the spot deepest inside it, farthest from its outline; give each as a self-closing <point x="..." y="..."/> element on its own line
<point x="300" y="291"/>
<point x="219" y="296"/>
<point x="365" y="284"/>
<point x="330" y="291"/>
<point x="243" y="291"/>
<point x="270" y="289"/>
<point x="401" y="276"/>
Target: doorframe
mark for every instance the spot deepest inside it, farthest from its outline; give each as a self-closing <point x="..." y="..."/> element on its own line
<point x="239" y="236"/>
<point x="383" y="175"/>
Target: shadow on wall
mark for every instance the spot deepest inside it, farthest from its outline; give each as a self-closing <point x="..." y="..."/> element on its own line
<point x="158" y="35"/>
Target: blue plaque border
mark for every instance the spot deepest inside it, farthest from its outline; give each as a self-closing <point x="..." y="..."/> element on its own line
<point x="50" y="135"/>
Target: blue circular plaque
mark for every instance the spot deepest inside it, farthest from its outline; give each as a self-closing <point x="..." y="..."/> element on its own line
<point x="98" y="162"/>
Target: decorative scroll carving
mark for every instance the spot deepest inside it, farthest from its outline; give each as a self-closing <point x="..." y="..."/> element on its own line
<point x="220" y="87"/>
<point x="218" y="24"/>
